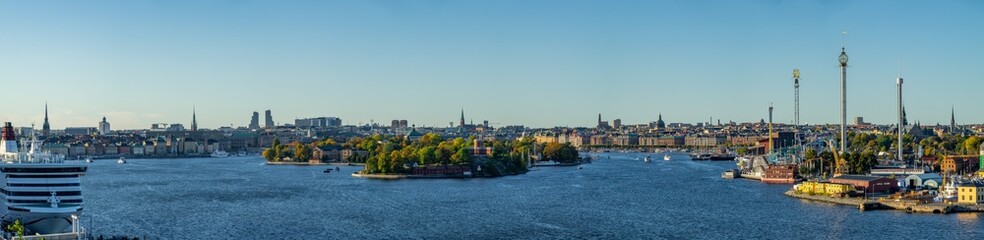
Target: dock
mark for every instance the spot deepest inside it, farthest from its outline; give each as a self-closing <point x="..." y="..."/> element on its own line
<point x="909" y="206"/>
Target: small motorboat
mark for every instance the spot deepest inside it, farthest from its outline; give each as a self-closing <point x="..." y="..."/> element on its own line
<point x="648" y="159"/>
<point x="88" y="160"/>
<point x="121" y="161"/>
<point x="328" y="170"/>
<point x="666" y="157"/>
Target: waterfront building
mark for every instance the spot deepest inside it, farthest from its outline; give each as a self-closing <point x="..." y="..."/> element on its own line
<point x="600" y="139"/>
<point x="327" y="153"/>
<point x="104" y="126"/>
<point x="630" y="139"/>
<point x="970" y="192"/>
<point x="671" y="141"/>
<point x="269" y="120"/>
<point x="926" y="181"/>
<point x="254" y="122"/>
<point x="867" y="183"/>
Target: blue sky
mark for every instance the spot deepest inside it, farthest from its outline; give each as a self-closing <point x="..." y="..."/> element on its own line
<point x="535" y="63"/>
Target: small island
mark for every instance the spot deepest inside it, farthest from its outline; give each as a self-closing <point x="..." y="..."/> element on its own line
<point x="431" y="156"/>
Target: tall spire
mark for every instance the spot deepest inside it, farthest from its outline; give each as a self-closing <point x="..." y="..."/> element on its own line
<point x="953" y="121"/>
<point x="45" y="128"/>
<point x="462" y="120"/>
<point x="194" y="120"/>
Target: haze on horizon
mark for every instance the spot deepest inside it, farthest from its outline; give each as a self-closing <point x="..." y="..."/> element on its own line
<point x="532" y="63"/>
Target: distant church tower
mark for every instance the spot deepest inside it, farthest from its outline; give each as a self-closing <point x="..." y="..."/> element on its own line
<point x="46" y="128"/>
<point x="461" y="123"/>
<point x="953" y="122"/>
<point x="194" y="120"/>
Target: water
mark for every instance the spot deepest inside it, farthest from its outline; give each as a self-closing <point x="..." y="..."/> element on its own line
<point x="620" y="198"/>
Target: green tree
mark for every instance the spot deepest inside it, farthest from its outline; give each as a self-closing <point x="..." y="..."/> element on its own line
<point x="427" y="155"/>
<point x="17" y="228"/>
<point x="971" y="145"/>
<point x="302" y="153"/>
<point x="462" y="156"/>
<point x="270" y="154"/>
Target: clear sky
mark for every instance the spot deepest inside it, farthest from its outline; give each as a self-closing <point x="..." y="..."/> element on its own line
<point x="535" y="63"/>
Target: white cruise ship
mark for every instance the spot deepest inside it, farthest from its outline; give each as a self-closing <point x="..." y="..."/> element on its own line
<point x="38" y="188"/>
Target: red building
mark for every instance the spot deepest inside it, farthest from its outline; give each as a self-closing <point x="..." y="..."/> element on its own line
<point x="867" y="183"/>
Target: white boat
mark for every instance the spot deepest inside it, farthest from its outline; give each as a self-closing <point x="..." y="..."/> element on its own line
<point x="648" y="159"/>
<point x="121" y="161"/>
<point x="666" y="157"/>
<point x="220" y="154"/>
<point x="38" y="188"/>
<point x="88" y="159"/>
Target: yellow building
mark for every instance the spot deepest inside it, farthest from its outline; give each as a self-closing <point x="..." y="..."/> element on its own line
<point x="823" y="188"/>
<point x="971" y="192"/>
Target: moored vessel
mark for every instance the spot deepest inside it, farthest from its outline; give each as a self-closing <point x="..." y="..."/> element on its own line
<point x="38" y="188"/>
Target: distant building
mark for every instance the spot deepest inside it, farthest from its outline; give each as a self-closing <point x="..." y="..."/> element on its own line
<point x="254" y="122"/>
<point x="269" y="120"/>
<point x="104" y="127"/>
<point x="959" y="164"/>
<point x="617" y="123"/>
<point x="318" y="122"/>
<point x="871" y="184"/>
<point x="859" y="121"/>
<point x="80" y="130"/>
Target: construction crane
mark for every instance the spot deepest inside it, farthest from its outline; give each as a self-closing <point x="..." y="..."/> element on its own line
<point x="840" y="165"/>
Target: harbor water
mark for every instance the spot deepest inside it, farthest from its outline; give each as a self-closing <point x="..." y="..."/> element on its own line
<point x="620" y="197"/>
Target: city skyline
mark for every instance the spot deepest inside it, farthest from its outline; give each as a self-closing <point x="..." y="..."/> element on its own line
<point x="538" y="64"/>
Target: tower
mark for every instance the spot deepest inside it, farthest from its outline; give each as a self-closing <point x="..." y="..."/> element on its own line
<point x="796" y="97"/>
<point x="269" y="120"/>
<point x="194" y="120"/>
<point x="842" y="59"/>
<point x="104" y="126"/>
<point x="461" y="122"/>
<point x="45" y="128"/>
<point x="953" y="122"/>
<point x="254" y="122"/>
<point x="901" y="125"/>
<point x="771" y="145"/>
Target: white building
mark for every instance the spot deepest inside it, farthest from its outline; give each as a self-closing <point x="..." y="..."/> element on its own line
<point x="104" y="127"/>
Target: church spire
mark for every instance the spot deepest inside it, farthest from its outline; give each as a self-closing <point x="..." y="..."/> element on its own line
<point x="194" y="120"/>
<point x="461" y="122"/>
<point x="45" y="128"/>
<point x="953" y="121"/>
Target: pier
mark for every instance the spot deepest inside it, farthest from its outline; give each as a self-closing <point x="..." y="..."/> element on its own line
<point x="909" y="206"/>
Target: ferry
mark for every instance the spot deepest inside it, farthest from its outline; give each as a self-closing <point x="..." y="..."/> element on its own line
<point x="38" y="188"/>
<point x="220" y="154"/>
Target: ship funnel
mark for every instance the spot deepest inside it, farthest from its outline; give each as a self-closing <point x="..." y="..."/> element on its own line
<point x="9" y="141"/>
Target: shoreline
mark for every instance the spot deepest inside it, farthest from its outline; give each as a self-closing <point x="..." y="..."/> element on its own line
<point x="294" y="164"/>
<point x="413" y="176"/>
<point x="907" y="206"/>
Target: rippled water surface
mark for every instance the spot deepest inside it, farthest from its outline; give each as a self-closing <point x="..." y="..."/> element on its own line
<point x="616" y="198"/>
